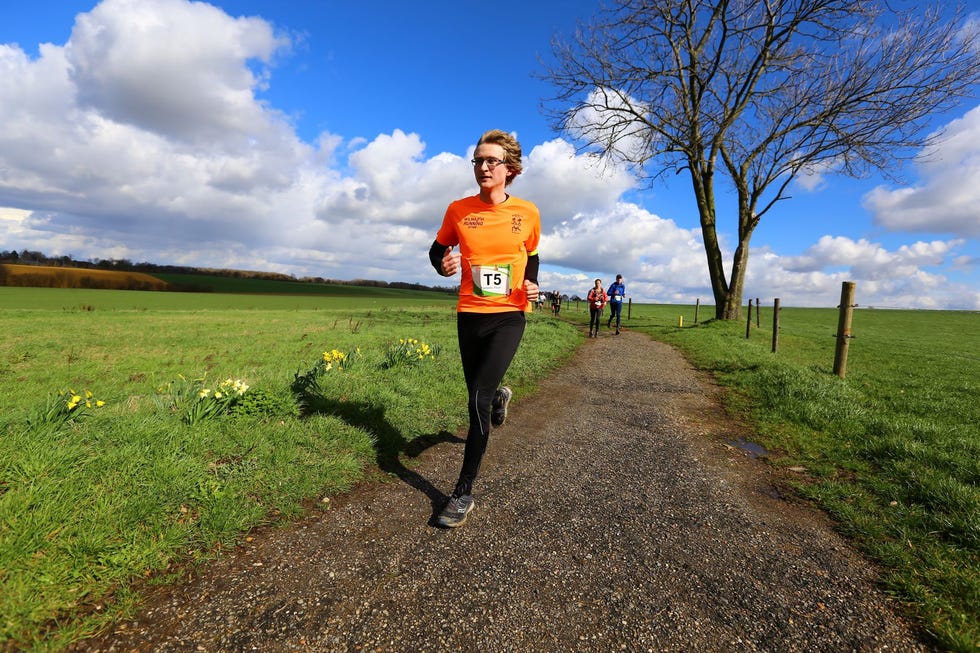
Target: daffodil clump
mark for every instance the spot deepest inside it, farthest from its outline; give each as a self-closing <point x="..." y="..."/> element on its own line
<point x="307" y="382"/>
<point x="340" y="359"/>
<point x="408" y="351"/>
<point x="198" y="400"/>
<point x="66" y="406"/>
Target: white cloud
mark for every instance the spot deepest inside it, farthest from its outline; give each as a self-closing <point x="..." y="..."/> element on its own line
<point x="814" y="177"/>
<point x="948" y="198"/>
<point x="144" y="137"/>
<point x="182" y="70"/>
<point x="564" y="184"/>
<point x="884" y="278"/>
<point x="122" y="132"/>
<point x="661" y="261"/>
<point x="605" y="117"/>
<point x="13" y="219"/>
<point x="391" y="181"/>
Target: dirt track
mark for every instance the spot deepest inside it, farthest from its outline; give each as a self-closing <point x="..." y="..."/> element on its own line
<point x="611" y="515"/>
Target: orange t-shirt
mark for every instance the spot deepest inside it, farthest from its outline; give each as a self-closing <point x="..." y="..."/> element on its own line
<point x="494" y="243"/>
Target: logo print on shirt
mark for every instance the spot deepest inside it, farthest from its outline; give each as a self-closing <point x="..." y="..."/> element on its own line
<point x="515" y="223"/>
<point x="473" y="221"/>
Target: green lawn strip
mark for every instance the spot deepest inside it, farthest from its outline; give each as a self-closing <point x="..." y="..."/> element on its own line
<point x="891" y="451"/>
<point x="252" y="298"/>
<point x="130" y="489"/>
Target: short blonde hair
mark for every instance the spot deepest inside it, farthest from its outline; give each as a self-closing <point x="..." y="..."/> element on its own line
<point x="512" y="151"/>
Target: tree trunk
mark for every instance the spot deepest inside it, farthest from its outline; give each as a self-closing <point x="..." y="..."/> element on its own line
<point x="730" y="306"/>
<point x="727" y="292"/>
<point x="702" y="180"/>
<point x="716" y="270"/>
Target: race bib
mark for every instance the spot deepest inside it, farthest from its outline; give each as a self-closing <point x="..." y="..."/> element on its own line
<point x="617" y="298"/>
<point x="491" y="280"/>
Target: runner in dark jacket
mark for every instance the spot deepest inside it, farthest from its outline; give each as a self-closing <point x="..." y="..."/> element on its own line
<point x="617" y="293"/>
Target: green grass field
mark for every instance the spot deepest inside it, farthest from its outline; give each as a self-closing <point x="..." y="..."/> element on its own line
<point x="95" y="502"/>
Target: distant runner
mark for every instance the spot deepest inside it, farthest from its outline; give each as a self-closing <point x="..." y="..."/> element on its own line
<point x="616" y="292"/>
<point x="555" y="302"/>
<point x="597" y="300"/>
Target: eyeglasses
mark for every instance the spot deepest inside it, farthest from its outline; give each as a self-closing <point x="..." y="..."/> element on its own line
<point x="491" y="161"/>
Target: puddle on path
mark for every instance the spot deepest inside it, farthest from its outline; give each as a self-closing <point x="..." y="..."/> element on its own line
<point x="751" y="448"/>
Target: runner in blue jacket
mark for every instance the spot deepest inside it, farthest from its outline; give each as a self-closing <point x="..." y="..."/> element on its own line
<point x="616" y="293"/>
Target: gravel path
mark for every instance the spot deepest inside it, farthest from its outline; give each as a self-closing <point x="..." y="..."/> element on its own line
<point x="611" y="515"/>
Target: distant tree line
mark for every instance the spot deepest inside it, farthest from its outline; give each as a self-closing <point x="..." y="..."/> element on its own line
<point x="27" y="257"/>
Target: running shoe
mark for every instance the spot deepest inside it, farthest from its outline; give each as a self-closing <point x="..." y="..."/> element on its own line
<point x="498" y="410"/>
<point x="456" y="510"/>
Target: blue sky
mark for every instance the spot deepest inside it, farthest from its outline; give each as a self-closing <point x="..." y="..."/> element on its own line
<point x="326" y="139"/>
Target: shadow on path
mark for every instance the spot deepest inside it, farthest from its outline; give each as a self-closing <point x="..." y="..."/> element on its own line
<point x="390" y="445"/>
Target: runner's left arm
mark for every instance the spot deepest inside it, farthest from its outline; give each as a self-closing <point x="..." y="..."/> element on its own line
<point x="531" y="277"/>
<point x="531" y="271"/>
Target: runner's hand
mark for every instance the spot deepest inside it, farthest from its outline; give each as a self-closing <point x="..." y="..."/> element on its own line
<point x="450" y="262"/>
<point x="531" y="289"/>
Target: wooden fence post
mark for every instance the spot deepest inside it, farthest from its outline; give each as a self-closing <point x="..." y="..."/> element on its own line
<point x="758" y="305"/>
<point x="629" y="308"/>
<point x="748" y="325"/>
<point x="844" y="327"/>
<point x="697" y="309"/>
<point x="775" y="324"/>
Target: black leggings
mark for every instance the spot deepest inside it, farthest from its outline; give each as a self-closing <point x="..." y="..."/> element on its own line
<point x="487" y="345"/>
<point x="595" y="319"/>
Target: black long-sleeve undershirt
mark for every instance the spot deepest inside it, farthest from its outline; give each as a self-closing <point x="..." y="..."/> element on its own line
<point x="531" y="271"/>
<point x="436" y="252"/>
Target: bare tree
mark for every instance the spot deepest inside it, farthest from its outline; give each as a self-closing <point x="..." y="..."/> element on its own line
<point x="757" y="92"/>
